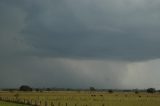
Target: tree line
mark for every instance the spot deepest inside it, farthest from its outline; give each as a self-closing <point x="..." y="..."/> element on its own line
<point x="92" y="89"/>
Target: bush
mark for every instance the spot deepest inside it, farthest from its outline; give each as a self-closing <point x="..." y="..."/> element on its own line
<point x="158" y="91"/>
<point x="151" y="90"/>
<point x="136" y="91"/>
<point x="25" y="88"/>
<point x="92" y="89"/>
<point x="110" y="91"/>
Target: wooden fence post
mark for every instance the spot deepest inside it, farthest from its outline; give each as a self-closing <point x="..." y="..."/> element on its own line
<point x="58" y="103"/>
<point x="52" y="104"/>
<point x="45" y="103"/>
<point x="40" y="102"/>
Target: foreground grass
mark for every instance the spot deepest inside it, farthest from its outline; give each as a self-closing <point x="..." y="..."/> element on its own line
<point x="10" y="104"/>
<point x="64" y="98"/>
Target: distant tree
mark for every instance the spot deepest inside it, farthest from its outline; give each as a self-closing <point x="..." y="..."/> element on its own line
<point x="136" y="91"/>
<point x="68" y="89"/>
<point x="37" y="89"/>
<point x="127" y="90"/>
<point x="48" y="89"/>
<point x="25" y="88"/>
<point x="9" y="89"/>
<point x="110" y="91"/>
<point x="151" y="90"/>
<point x="92" y="89"/>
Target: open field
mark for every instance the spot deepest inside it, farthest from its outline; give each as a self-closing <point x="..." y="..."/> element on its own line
<point x="70" y="98"/>
<point x="10" y="104"/>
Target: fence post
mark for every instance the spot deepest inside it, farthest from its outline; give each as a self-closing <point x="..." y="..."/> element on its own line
<point x="58" y="103"/>
<point x="45" y="103"/>
<point x="40" y="102"/>
<point x="52" y="104"/>
<point x="36" y="103"/>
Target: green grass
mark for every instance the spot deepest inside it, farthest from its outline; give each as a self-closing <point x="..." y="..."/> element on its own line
<point x="10" y="104"/>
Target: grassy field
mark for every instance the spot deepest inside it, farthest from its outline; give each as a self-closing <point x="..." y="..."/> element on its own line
<point x="61" y="98"/>
<point x="10" y="104"/>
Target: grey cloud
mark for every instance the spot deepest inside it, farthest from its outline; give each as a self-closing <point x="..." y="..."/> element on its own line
<point x="50" y="72"/>
<point x="36" y="35"/>
<point x="12" y="23"/>
<point x="119" y="30"/>
<point x="95" y="29"/>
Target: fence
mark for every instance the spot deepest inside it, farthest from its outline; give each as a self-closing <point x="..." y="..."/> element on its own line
<point x="33" y="102"/>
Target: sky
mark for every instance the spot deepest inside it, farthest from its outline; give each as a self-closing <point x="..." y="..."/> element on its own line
<point x="80" y="43"/>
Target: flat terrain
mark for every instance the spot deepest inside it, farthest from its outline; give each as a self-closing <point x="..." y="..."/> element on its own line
<point x="69" y="98"/>
<point x="10" y="104"/>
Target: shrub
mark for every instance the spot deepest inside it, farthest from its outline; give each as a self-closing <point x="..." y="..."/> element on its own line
<point x="92" y="89"/>
<point x="25" y="88"/>
<point x="136" y="91"/>
<point x="110" y="91"/>
<point x="151" y="90"/>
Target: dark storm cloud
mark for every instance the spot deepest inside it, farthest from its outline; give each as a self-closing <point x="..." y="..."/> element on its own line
<point x="119" y="30"/>
<point x="49" y="72"/>
<point x="72" y="43"/>
<point x="94" y="29"/>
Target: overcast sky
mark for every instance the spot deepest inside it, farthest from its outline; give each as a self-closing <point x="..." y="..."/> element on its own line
<point x="80" y="43"/>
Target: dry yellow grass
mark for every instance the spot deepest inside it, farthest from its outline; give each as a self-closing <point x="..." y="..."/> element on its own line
<point x="70" y="98"/>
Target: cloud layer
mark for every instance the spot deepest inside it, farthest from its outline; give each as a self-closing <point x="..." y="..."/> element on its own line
<point x="120" y="30"/>
<point x="76" y="43"/>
